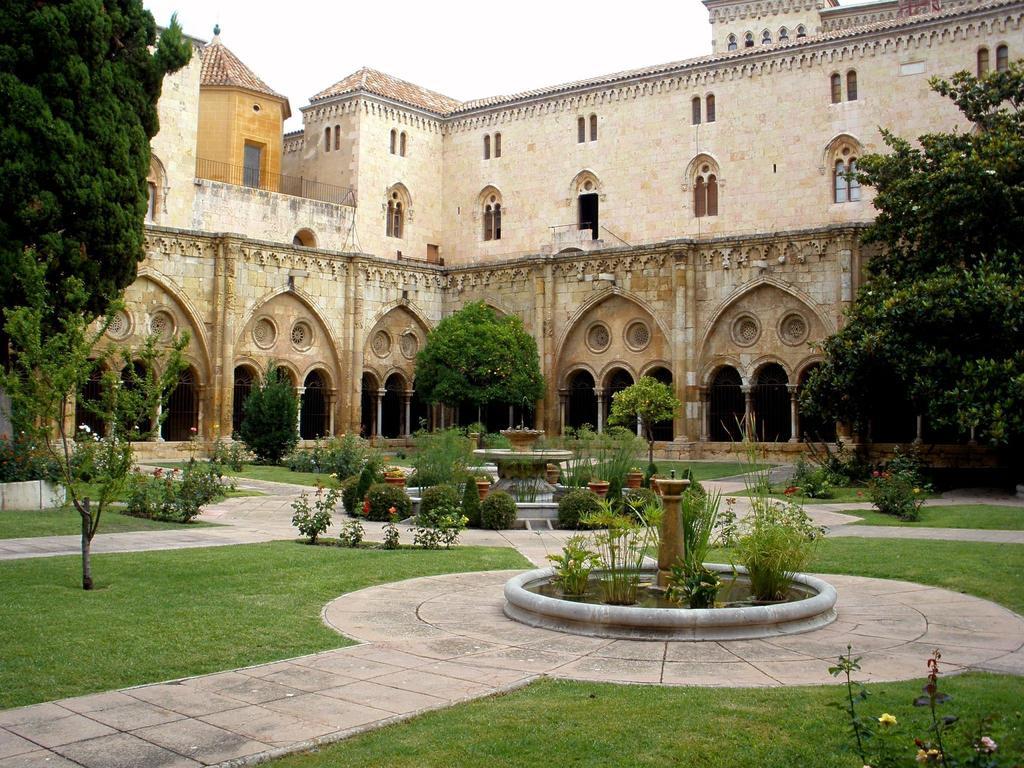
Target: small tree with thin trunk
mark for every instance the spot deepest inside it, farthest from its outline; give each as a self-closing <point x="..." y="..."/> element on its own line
<point x="648" y="400"/>
<point x="50" y="369"/>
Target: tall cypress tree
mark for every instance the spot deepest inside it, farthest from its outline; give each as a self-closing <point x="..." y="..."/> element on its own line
<point x="79" y="85"/>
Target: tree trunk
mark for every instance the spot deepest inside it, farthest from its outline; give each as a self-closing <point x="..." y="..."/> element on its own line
<point x="86" y="546"/>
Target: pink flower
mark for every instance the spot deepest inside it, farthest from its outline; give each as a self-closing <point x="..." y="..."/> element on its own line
<point x="986" y="745"/>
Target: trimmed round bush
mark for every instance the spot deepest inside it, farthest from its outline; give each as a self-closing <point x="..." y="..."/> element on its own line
<point x="382" y="497"/>
<point x="435" y="498"/>
<point x="576" y="504"/>
<point x="497" y="511"/>
<point x="349" y="495"/>
<point x="471" y="503"/>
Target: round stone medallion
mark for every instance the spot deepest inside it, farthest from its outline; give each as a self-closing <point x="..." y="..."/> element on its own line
<point x="264" y="333"/>
<point x="598" y="337"/>
<point x="793" y="329"/>
<point x="161" y="323"/>
<point x="638" y="335"/>
<point x="120" y="325"/>
<point x="410" y="345"/>
<point x="302" y="335"/>
<point x="746" y="330"/>
<point x="381" y="344"/>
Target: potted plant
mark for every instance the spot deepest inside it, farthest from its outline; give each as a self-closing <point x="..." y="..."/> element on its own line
<point x="394" y="476"/>
<point x="483" y="486"/>
<point x="634" y="478"/>
<point x="552" y="472"/>
<point x="600" y="487"/>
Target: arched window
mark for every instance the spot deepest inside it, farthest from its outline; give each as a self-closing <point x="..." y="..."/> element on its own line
<point x="337" y="137"/>
<point x="837" y="88"/>
<point x="851" y="85"/>
<point x="396" y="229"/>
<point x="593" y="127"/>
<point x="150" y="202"/>
<point x="801" y="31"/>
<point x="390" y="221"/>
<point x="748" y="40"/>
<point x="581" y="130"/>
<point x="327" y="139"/>
<point x="695" y="110"/>
<point x="488" y="222"/>
<point x="846" y="185"/>
<point x="497" y="145"/>
<point x="1002" y="58"/>
<point x="497" y="221"/>
<point x="394" y="140"/>
<point x="982" y="62"/>
<point x="304" y="237"/>
<point x="487" y="147"/>
<point x="401" y="144"/>
<point x="783" y="35"/>
<point x="491" y="200"/>
<point x="766" y="37"/>
<point x="709" y="110"/>
<point x="705" y="191"/>
<point x="732" y="43"/>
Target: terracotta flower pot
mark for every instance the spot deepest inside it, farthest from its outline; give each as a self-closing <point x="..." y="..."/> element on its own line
<point x="634" y="479"/>
<point x="552" y="473"/>
<point x="483" y="487"/>
<point x="600" y="487"/>
<point x="396" y="481"/>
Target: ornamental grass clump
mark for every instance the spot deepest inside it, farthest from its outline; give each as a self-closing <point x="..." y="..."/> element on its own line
<point x="621" y="545"/>
<point x="572" y="567"/>
<point x="775" y="542"/>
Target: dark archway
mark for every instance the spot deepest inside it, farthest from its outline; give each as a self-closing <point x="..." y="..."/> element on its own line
<point x="616" y="381"/>
<point x="132" y="377"/>
<point x="663" y="430"/>
<point x="89" y="400"/>
<point x="770" y="399"/>
<point x="182" y="422"/>
<point x="726" y="405"/>
<point x="420" y="410"/>
<point x="582" y="406"/>
<point x="815" y="428"/>
<point x="245" y="380"/>
<point x="368" y="406"/>
<point x="313" y="421"/>
<point x="393" y="416"/>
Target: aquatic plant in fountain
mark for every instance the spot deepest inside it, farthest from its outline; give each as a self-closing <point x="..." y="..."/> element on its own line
<point x="621" y="544"/>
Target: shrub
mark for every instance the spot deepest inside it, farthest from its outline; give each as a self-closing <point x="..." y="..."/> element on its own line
<point x="471" y="503"/>
<point x="351" y="534"/>
<point x="775" y="541"/>
<point x="575" y="505"/>
<point x="812" y="481"/>
<point x="21" y="460"/>
<point x="441" y="458"/>
<point x="443" y="528"/>
<point x="371" y="473"/>
<point x="390" y="535"/>
<point x="230" y="455"/>
<point x="498" y="511"/>
<point x="314" y="520"/>
<point x="436" y="501"/>
<point x="634" y="499"/>
<point x="895" y="493"/>
<point x="383" y="497"/>
<point x="269" y="424"/>
<point x="175" y="495"/>
<point x="341" y="456"/>
<point x="349" y="499"/>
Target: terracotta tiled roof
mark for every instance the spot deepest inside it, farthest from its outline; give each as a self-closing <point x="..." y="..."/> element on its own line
<point x="222" y="67"/>
<point x="382" y="84"/>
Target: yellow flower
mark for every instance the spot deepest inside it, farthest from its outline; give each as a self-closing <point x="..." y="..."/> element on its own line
<point x="917" y="490"/>
<point x="886" y="719"/>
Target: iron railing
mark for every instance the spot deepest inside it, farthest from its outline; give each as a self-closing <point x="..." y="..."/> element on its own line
<point x="297" y="186"/>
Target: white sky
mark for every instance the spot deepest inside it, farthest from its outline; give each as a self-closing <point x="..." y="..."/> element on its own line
<point x="462" y="49"/>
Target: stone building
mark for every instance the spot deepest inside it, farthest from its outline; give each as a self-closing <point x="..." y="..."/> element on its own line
<point x="693" y="221"/>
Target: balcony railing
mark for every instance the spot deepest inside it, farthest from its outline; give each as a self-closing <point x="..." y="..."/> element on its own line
<point x="296" y="186"/>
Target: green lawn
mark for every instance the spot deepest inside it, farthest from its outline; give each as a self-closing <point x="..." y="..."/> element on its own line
<point x="983" y="516"/>
<point x="839" y="494"/>
<point x="707" y="470"/>
<point x="160" y="615"/>
<point x="15" y="524"/>
<point x="562" y="723"/>
<point x="263" y="472"/>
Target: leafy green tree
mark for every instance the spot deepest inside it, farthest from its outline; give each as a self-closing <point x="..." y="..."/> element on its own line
<point x="79" y="85"/>
<point x="940" y="321"/>
<point x="475" y="355"/>
<point x="648" y="400"/>
<point x="42" y="381"/>
<point x="270" y="415"/>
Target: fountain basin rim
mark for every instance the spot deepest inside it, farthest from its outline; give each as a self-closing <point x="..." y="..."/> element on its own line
<point x="630" y="622"/>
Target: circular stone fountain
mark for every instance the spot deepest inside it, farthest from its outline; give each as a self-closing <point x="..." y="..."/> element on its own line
<point x="521" y="468"/>
<point x="810" y="604"/>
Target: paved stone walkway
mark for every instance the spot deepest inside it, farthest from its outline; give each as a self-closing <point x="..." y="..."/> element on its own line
<point x="431" y="642"/>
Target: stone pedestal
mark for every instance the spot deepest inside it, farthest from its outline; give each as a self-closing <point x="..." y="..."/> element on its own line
<point x="672" y="544"/>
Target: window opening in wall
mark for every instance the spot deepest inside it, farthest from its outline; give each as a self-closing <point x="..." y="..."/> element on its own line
<point x="695" y="110"/>
<point x="732" y="43"/>
<point x="497" y="145"/>
<point x="151" y="202"/>
<point x="581" y="130"/>
<point x="982" y="62"/>
<point x="593" y="127"/>
<point x="401" y="144"/>
<point x="837" y="88"/>
<point x="337" y="137"/>
<point x="846" y="184"/>
<point x="252" y="159"/>
<point x="327" y="139"/>
<point x="705" y="192"/>
<point x="766" y="37"/>
<point x="851" y="85"/>
<point x="748" y="40"/>
<point x="1002" y="58"/>
<point x="783" y="35"/>
<point x="801" y="31"/>
<point x="394" y="140"/>
<point x="492" y="219"/>
<point x="395" y="217"/>
<point x="487" y="147"/>
<point x="588" y="218"/>
<point x="709" y="112"/>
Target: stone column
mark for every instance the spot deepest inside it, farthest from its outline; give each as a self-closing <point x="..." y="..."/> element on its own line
<point x="377" y="431"/>
<point x="299" y="392"/>
<point x="673" y="542"/>
<point x="563" y="406"/>
<point x="748" y="410"/>
<point x="794" y="414"/>
<point x="201" y="410"/>
<point x="407" y="403"/>
<point x="159" y="427"/>
<point x="705" y="413"/>
<point x="919" y="437"/>
<point x="511" y="417"/>
<point x="600" y="409"/>
<point x="332" y="404"/>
